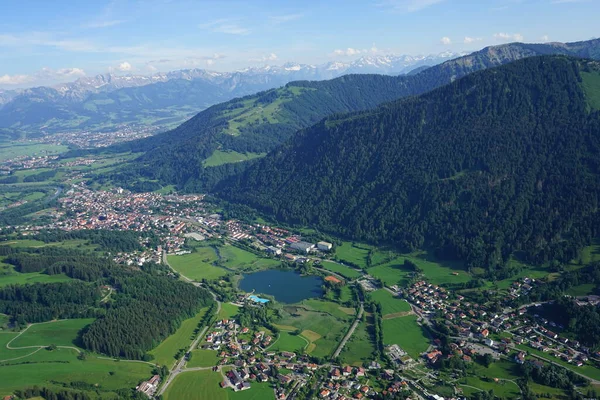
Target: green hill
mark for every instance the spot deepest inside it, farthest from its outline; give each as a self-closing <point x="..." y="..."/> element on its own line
<point x="502" y="161"/>
<point x="259" y="123"/>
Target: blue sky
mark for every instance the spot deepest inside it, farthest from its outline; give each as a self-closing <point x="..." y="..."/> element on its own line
<point x="43" y="41"/>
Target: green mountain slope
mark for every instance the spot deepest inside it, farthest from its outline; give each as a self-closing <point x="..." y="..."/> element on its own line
<point x="501" y="161"/>
<point x="259" y="123"/>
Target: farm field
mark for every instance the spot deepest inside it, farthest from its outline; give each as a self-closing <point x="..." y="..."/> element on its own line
<point x="17" y="278"/>
<point x="203" y="358"/>
<point x="219" y="157"/>
<point x="258" y="391"/>
<point x="340" y="269"/>
<point x="196" y="385"/>
<point x="197" y="265"/>
<point x="360" y="347"/>
<point x="164" y="353"/>
<point x="10" y="151"/>
<point x="322" y="323"/>
<point x="504" y="371"/>
<point x="353" y="253"/>
<point x="241" y="260"/>
<point x="288" y="342"/>
<point x="406" y="333"/>
<point x="389" y="303"/>
<point x="8" y="354"/>
<point x="228" y="310"/>
<point x="44" y="368"/>
<point x="60" y="333"/>
<point x="582" y="290"/>
<point x="394" y="272"/>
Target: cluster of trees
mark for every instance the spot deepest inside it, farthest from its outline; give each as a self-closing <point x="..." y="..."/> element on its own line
<point x="113" y="241"/>
<point x="470" y="169"/>
<point x="44" y="302"/>
<point x="551" y="375"/>
<point x="377" y="333"/>
<point x="557" y="287"/>
<point x="148" y="305"/>
<point x="54" y="394"/>
<point x="41" y="176"/>
<point x="581" y="321"/>
<point x="146" y="311"/>
<point x="257" y="317"/>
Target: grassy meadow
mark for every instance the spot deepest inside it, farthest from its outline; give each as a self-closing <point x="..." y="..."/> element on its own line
<point x="197" y="265"/>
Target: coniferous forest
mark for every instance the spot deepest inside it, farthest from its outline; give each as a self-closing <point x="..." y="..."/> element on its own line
<point x="503" y="161"/>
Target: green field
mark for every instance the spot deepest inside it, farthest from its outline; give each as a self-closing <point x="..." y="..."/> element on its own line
<point x="591" y="87"/>
<point x="164" y="353"/>
<point x="219" y="157"/>
<point x="228" y="310"/>
<point x="389" y="303"/>
<point x="16" y="278"/>
<point x="12" y="151"/>
<point x="406" y="333"/>
<point x="582" y="290"/>
<point x="44" y="368"/>
<point x="360" y="347"/>
<point x="394" y="272"/>
<point x="8" y="354"/>
<point x="197" y="385"/>
<point x="504" y="371"/>
<point x="241" y="260"/>
<point x="354" y="253"/>
<point x="60" y="333"/>
<point x="326" y="322"/>
<point x="203" y="358"/>
<point x="258" y="391"/>
<point x="288" y="342"/>
<point x="340" y="269"/>
<point x="197" y="265"/>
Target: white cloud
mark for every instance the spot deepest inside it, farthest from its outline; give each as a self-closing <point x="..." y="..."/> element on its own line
<point x="545" y="38"/>
<point x="225" y="25"/>
<point x="469" y="39"/>
<point x="124" y="67"/>
<point x="446" y="41"/>
<point x="264" y="58"/>
<point x="104" y="23"/>
<point x="409" y="5"/>
<point x="507" y="37"/>
<point x="43" y="76"/>
<point x="15" y="79"/>
<point x="348" y="52"/>
<point x="281" y="19"/>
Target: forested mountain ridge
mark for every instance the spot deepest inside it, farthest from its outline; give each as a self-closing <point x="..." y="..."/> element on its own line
<point x="502" y="161"/>
<point x="259" y="123"/>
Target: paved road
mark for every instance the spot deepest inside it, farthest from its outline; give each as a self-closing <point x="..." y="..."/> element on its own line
<point x="350" y="332"/>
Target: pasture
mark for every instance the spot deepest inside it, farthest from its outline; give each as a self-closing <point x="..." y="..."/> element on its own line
<point x="322" y="323"/>
<point x="360" y="347"/>
<point x="353" y="253"/>
<point x="196" y="385"/>
<point x="197" y="265"/>
<point x="219" y="157"/>
<point x="203" y="358"/>
<point x="46" y="368"/>
<point x="406" y="333"/>
<point x="288" y="342"/>
<point x="389" y="303"/>
<point x="164" y="353"/>
<point x="228" y="310"/>
<point x="60" y="333"/>
<point x="243" y="261"/>
<point x="342" y="270"/>
<point x="14" y="150"/>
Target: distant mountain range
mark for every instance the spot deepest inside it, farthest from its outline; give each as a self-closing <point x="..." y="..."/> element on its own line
<point x="165" y="99"/>
<point x="192" y="157"/>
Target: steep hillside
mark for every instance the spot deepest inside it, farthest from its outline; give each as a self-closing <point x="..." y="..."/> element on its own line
<point x="258" y="124"/>
<point x="502" y="161"/>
